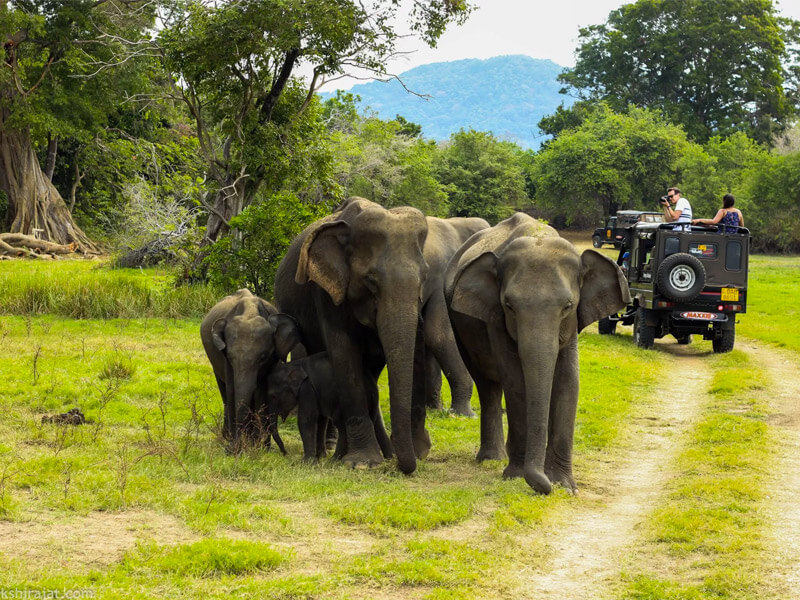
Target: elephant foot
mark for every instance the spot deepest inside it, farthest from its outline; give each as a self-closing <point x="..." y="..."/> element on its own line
<point x="362" y="446"/>
<point x="513" y="471"/>
<point x="362" y="459"/>
<point x="434" y="403"/>
<point x="538" y="481"/>
<point x="422" y="444"/>
<point x="490" y="453"/>
<point x="463" y="410"/>
<point x="311" y="460"/>
<point x="563" y="478"/>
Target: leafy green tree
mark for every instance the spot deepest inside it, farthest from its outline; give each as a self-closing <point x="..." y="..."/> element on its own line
<point x="722" y="166"/>
<point x="235" y="66"/>
<point x="384" y="161"/>
<point x="266" y="229"/>
<point x="611" y="161"/>
<point x="483" y="176"/>
<point x="770" y="204"/>
<point x="714" y="67"/>
<point x="65" y="66"/>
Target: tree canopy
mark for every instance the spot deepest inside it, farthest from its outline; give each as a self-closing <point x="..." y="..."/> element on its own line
<point x="714" y="67"/>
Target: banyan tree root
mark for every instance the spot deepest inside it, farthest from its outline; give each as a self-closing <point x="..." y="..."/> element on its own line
<point x="18" y="244"/>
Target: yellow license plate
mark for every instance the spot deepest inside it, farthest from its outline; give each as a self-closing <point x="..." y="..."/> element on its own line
<point x="729" y="294"/>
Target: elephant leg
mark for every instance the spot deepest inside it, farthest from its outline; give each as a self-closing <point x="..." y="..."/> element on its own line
<point x="491" y="395"/>
<point x="419" y="435"/>
<point x="441" y="342"/>
<point x="341" y="441"/>
<point x="561" y="425"/>
<point x="331" y="435"/>
<point x="433" y="381"/>
<point x="307" y="421"/>
<point x="226" y="422"/>
<point x="355" y="392"/>
<point x="322" y="431"/>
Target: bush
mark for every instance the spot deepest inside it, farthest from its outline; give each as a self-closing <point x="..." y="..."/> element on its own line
<point x="249" y="257"/>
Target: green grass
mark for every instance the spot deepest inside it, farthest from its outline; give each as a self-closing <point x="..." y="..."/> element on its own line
<point x="773" y="310"/>
<point x="152" y="444"/>
<point x="709" y="531"/>
<point x="83" y="289"/>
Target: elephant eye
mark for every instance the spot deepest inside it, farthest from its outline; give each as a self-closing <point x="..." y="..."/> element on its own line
<point x="371" y="282"/>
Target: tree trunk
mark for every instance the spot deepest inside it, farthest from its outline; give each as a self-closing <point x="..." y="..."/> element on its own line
<point x="52" y="153"/>
<point x="33" y="201"/>
<point x="228" y="202"/>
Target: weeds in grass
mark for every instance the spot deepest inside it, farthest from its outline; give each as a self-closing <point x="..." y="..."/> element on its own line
<point x="212" y="557"/>
<point x="37" y="353"/>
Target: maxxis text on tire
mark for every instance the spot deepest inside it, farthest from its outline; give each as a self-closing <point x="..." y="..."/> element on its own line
<point x="681" y="277"/>
<point x="644" y="335"/>
<point x="606" y="326"/>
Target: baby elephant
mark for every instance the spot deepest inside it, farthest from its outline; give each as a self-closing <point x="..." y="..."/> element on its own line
<point x="308" y="384"/>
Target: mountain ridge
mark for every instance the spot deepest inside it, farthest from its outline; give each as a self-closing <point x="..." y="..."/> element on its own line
<point x="506" y="95"/>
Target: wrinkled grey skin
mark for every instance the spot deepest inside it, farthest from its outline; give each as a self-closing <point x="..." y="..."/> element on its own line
<point x="353" y="281"/>
<point x="244" y="336"/>
<point x="445" y="237"/>
<point x="518" y="295"/>
<point x="309" y="385"/>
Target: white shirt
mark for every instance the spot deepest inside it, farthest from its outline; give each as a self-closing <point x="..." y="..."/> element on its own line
<point x="684" y="222"/>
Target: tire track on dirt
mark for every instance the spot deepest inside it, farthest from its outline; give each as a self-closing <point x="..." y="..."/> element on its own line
<point x="587" y="554"/>
<point x="784" y="493"/>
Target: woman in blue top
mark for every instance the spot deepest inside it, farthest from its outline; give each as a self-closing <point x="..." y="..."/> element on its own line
<point x="729" y="218"/>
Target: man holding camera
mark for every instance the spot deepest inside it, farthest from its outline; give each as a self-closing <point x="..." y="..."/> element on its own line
<point x="681" y="211"/>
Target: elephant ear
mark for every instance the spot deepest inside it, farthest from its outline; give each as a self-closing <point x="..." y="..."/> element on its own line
<point x="295" y="379"/>
<point x="476" y="291"/>
<point x="323" y="261"/>
<point x="604" y="290"/>
<point x="287" y="334"/>
<point x="218" y="334"/>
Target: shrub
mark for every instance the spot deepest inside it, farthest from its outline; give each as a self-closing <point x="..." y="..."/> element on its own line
<point x="249" y="257"/>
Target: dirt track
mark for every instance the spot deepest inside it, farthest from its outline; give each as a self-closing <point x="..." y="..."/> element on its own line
<point x="602" y="531"/>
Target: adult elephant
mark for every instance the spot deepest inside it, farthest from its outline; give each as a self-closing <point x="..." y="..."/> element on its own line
<point x="518" y="295"/>
<point x="353" y="281"/>
<point x="244" y="336"/>
<point x="445" y="237"/>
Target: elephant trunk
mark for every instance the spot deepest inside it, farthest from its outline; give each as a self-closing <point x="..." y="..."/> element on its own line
<point x="397" y="331"/>
<point x="273" y="431"/>
<point x="245" y="387"/>
<point x="538" y="351"/>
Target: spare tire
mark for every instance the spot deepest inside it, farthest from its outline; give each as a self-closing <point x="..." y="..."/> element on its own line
<point x="681" y="277"/>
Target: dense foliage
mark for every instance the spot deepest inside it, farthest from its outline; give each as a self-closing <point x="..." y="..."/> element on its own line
<point x="215" y="117"/>
<point x="714" y="67"/>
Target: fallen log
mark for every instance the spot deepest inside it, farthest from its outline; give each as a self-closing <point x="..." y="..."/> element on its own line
<point x="18" y="240"/>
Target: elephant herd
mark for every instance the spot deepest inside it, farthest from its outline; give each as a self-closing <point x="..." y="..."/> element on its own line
<point x="368" y="287"/>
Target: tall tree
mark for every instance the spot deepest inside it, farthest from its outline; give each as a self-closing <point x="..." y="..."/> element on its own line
<point x="236" y="63"/>
<point x="714" y="67"/>
<point x="611" y="160"/>
<point x="51" y="50"/>
<point x="483" y="176"/>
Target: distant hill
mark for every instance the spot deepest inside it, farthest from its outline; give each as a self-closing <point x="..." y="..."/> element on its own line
<point x="506" y="95"/>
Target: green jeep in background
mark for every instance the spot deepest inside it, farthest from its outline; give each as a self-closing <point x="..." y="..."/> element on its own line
<point x="618" y="226"/>
<point x="683" y="283"/>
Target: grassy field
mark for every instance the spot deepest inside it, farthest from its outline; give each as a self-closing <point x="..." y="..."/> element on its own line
<point x="143" y="501"/>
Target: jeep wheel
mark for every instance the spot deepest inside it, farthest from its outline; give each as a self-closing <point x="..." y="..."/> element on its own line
<point x="644" y="335"/>
<point x="596" y="241"/>
<point x="681" y="277"/>
<point x="606" y="326"/>
<point x="725" y="340"/>
<point x="684" y="339"/>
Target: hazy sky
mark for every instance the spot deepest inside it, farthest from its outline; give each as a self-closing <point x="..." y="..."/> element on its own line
<point x="536" y="28"/>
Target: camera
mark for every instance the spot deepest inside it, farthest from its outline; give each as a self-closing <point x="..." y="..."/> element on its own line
<point x="664" y="200"/>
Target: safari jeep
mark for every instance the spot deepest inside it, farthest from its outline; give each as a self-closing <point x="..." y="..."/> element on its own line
<point x="618" y="227"/>
<point x="683" y="283"/>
